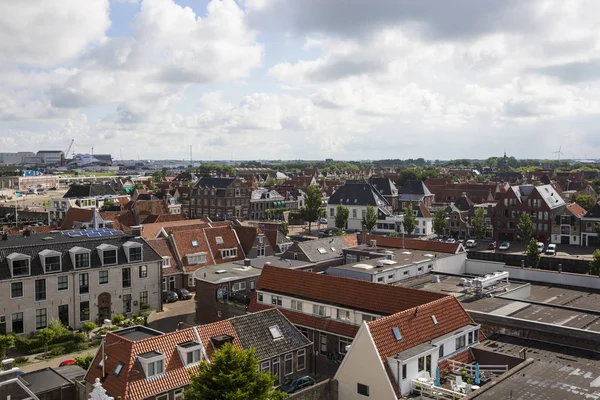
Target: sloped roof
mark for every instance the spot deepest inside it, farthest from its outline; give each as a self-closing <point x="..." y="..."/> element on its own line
<point x="594" y="212"/>
<point x="384" y="186"/>
<point x="416" y="327"/>
<point x="230" y="241"/>
<point x="576" y="210"/>
<point x="551" y="196"/>
<point x="184" y="244"/>
<point x="323" y="249"/>
<point x="218" y="183"/>
<point x="415" y="187"/>
<point x="89" y="190"/>
<point x="76" y="214"/>
<point x="151" y="230"/>
<point x="160" y="218"/>
<point x="357" y="193"/>
<point x="415" y="244"/>
<point x="463" y="203"/>
<point x="247" y="235"/>
<point x="163" y="248"/>
<point x="353" y="293"/>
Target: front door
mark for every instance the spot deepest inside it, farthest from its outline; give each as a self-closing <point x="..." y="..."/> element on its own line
<point x="564" y="239"/>
<point x="323" y="343"/>
<point x="63" y="314"/>
<point x="171" y="283"/>
<point x="104" y="307"/>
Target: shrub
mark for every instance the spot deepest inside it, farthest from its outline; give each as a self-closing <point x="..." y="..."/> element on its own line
<point x="58" y="328"/>
<point x="20" y="361"/>
<point x="85" y="361"/>
<point x="57" y="351"/>
<point x="118" y="319"/>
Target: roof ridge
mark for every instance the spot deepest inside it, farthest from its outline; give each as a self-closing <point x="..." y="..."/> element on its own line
<point x="412" y="310"/>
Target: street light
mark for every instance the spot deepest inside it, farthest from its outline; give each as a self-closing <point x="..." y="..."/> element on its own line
<point x="315" y="352"/>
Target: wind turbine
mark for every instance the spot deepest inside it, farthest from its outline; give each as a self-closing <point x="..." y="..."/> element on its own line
<point x="559" y="152"/>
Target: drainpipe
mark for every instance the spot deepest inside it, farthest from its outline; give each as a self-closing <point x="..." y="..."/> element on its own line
<point x="74" y="302"/>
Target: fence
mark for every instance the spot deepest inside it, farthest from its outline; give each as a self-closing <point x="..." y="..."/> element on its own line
<point x="470" y="368"/>
<point x="434" y="392"/>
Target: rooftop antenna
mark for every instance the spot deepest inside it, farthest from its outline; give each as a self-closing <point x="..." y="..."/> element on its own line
<point x="559" y="152"/>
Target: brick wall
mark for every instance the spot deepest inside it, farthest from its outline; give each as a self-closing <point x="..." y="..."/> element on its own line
<point x="465" y="357"/>
<point x="326" y="390"/>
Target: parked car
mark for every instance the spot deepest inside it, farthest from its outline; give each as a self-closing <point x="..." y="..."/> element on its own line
<point x="492" y="246"/>
<point x="451" y="240"/>
<point x="184" y="294"/>
<point x="551" y="249"/>
<point x="504" y="246"/>
<point x="471" y="243"/>
<point x="295" y="384"/>
<point x="540" y="247"/>
<point x="169" y="297"/>
<point x="66" y="362"/>
<point x="323" y="221"/>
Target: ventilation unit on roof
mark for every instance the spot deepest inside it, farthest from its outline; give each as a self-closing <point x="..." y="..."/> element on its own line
<point x="373" y="243"/>
<point x="379" y="264"/>
<point x="389" y="255"/>
<point x="221" y="271"/>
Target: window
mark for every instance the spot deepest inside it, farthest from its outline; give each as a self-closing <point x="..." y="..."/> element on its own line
<point x="265" y="366"/>
<point x="16" y="290"/>
<point x="102" y="277"/>
<point x="354" y="213"/>
<point x="351" y="259"/>
<point x="288" y="364"/>
<point x="441" y="351"/>
<point x="460" y="342"/>
<point x="178" y="394"/>
<point x="343" y="344"/>
<point x="276" y="300"/>
<point x="82" y="260"/>
<point x="155" y="368"/>
<point x="126" y="277"/>
<point x="84" y="311"/>
<point x="380" y="279"/>
<point x="228" y="253"/>
<point x="219" y="240"/>
<point x="41" y="319"/>
<point x="191" y="281"/>
<point x="390" y="277"/>
<point x="319" y="310"/>
<point x="301" y="360"/>
<point x="238" y="286"/>
<point x="17" y="322"/>
<point x="403" y="371"/>
<point x="118" y="369"/>
<point x="192" y="357"/>
<point x="84" y="284"/>
<point x="275" y="332"/>
<point x="52" y="263"/>
<point x="20" y="267"/>
<point x="260" y="297"/>
<point x="126" y="303"/>
<point x="260" y="250"/>
<point x="470" y="335"/>
<point x="63" y="283"/>
<point x="2" y="325"/>
<point x="135" y="254"/>
<point x="331" y="212"/>
<point x="143" y="298"/>
<point x="40" y="290"/>
<point x="344" y="315"/>
<point x="198" y="258"/>
<point x="296" y="305"/>
<point x="109" y="257"/>
<point x="362" y="389"/>
<point x="275" y="370"/>
<point x="143" y="272"/>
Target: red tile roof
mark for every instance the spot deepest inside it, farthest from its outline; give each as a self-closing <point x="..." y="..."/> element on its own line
<point x="417" y="327"/>
<point x="414" y="244"/>
<point x="577" y="210"/>
<point x="158" y="218"/>
<point x="151" y="230"/>
<point x="183" y="245"/>
<point x="230" y="241"/>
<point x="76" y="214"/>
<point x="353" y="293"/>
<point x="247" y="236"/>
<point x="163" y="248"/>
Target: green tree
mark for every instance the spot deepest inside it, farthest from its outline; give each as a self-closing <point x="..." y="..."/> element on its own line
<point x="409" y="222"/>
<point x="312" y="206"/>
<point x="232" y="374"/>
<point x="284" y="228"/>
<point x="408" y="174"/>
<point x="595" y="264"/>
<point x="393" y="234"/>
<point x="88" y="327"/>
<point x="370" y="219"/>
<point x="341" y="216"/>
<point x="46" y="336"/>
<point x="478" y="222"/>
<point x="439" y="221"/>
<point x="533" y="256"/>
<point x="586" y="201"/>
<point x="525" y="228"/>
<point x="118" y="319"/>
<point x="85" y="361"/>
<point x="597" y="228"/>
<point x="107" y="205"/>
<point x="6" y="342"/>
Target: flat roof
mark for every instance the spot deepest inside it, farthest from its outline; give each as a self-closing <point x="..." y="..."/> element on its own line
<point x="43" y="380"/>
<point x="448" y="284"/>
<point x="401" y="258"/>
<point x="557" y="373"/>
<point x="236" y="270"/>
<point x="413" y="351"/>
<point x="137" y="332"/>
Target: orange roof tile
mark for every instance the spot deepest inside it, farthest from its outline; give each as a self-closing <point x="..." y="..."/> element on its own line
<point x="183" y="246"/>
<point x="415" y="244"/>
<point x="577" y="210"/>
<point x="229" y="242"/>
<point x="76" y="214"/>
<point x="163" y="248"/>
<point x="151" y="230"/>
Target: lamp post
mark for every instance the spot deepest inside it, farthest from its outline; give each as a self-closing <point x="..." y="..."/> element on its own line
<point x="315" y="352"/>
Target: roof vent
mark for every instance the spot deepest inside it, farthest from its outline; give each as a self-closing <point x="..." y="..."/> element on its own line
<point x="219" y="341"/>
<point x="221" y="271"/>
<point x="247" y="262"/>
<point x="373" y="243"/>
<point x="379" y="264"/>
<point x="48" y="238"/>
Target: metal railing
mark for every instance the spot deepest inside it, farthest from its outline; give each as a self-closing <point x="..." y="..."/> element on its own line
<point x="431" y="391"/>
<point x="457" y="366"/>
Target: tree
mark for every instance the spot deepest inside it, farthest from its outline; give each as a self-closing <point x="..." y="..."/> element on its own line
<point x="6" y="342"/>
<point x="88" y="327"/>
<point x="107" y="205"/>
<point x="312" y="205"/>
<point x="284" y="228"/>
<point x="595" y="264"/>
<point x="533" y="256"/>
<point x="341" y="216"/>
<point x="370" y="219"/>
<point x="525" y="228"/>
<point x="439" y="221"/>
<point x="393" y="234"/>
<point x="478" y="222"/>
<point x="85" y="361"/>
<point x="409" y="222"/>
<point x="408" y="174"/>
<point x="586" y="201"/>
<point x="46" y="335"/>
<point x="597" y="228"/>
<point x="232" y="374"/>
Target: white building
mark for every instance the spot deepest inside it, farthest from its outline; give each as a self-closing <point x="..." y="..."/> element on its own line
<point x="356" y="196"/>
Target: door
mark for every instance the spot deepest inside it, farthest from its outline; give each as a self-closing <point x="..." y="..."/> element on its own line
<point x="104" y="307"/>
<point x="564" y="239"/>
<point x="275" y="370"/>
<point x="428" y="364"/>
<point x="323" y="343"/>
<point x="63" y="314"/>
<point x="171" y="283"/>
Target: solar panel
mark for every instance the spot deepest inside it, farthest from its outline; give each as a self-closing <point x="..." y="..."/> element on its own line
<point x="74" y="234"/>
<point x="104" y="234"/>
<point x="117" y="232"/>
<point x="93" y="234"/>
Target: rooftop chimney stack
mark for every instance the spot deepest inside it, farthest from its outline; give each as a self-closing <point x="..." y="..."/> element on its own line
<point x="7" y="364"/>
<point x="247" y="262"/>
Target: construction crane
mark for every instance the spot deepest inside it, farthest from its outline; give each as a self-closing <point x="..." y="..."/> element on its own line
<point x="62" y="162"/>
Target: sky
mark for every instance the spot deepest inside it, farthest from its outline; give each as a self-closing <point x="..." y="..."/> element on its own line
<point x="301" y="79"/>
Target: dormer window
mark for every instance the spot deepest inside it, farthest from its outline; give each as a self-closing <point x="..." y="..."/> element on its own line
<point x="166" y="261"/>
<point x="190" y="353"/>
<point x="228" y="253"/>
<point x="133" y="250"/>
<point x="196" y="258"/>
<point x="19" y="264"/>
<point x="153" y="363"/>
<point x="80" y="257"/>
<point x="108" y="254"/>
<point x="51" y="260"/>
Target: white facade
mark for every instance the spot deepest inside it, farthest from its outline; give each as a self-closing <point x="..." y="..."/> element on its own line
<point x="355" y="217"/>
<point x="394" y="223"/>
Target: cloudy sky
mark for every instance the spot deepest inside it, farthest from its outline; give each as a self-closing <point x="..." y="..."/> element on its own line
<point x="312" y="79"/>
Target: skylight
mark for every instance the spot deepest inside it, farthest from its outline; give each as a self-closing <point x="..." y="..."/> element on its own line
<point x="194" y="243"/>
<point x="275" y="332"/>
<point x="333" y="249"/>
<point x="322" y="250"/>
<point x="118" y="369"/>
<point x="397" y="333"/>
<point x="434" y="319"/>
<point x="219" y="240"/>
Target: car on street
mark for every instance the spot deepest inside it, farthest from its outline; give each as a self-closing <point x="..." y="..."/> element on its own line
<point x="323" y="221"/>
<point x="504" y="246"/>
<point x="540" y="247"/>
<point x="66" y="362"/>
<point x="169" y="297"/>
<point x="471" y="243"/>
<point x="451" y="240"/>
<point x="183" y="294"/>
<point x="551" y="249"/>
<point x="295" y="384"/>
<point x="492" y="246"/>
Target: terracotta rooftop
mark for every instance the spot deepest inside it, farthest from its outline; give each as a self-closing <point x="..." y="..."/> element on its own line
<point x="159" y="218"/>
<point x="151" y="230"/>
<point x="576" y="209"/>
<point x="192" y="242"/>
<point x="426" y="245"/>
<point x="76" y="214"/>
<point x="352" y="293"/>
<point x="163" y="248"/>
<point x="228" y="240"/>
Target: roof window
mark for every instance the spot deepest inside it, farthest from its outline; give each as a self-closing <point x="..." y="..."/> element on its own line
<point x="322" y="250"/>
<point x="434" y="319"/>
<point x="194" y="243"/>
<point x="275" y="332"/>
<point x="397" y="333"/>
<point x="190" y="353"/>
<point x="219" y="240"/>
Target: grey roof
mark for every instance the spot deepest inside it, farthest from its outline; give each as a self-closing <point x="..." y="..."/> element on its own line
<point x="253" y="331"/>
<point x="16" y="389"/>
<point x="410" y="197"/>
<point x="414" y="351"/>
<point x="43" y="380"/>
<point x="415" y="187"/>
<point x="463" y="203"/>
<point x="34" y="244"/>
<point x="89" y="190"/>
<point x="357" y="193"/>
<point x="594" y="211"/>
<point x="261" y="194"/>
<point x="72" y="372"/>
<point x="235" y="270"/>
<point x="218" y="183"/>
<point x="550" y="196"/>
<point x="332" y="247"/>
<point x="384" y="186"/>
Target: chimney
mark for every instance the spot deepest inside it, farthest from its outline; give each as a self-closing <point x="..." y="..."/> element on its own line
<point x="7" y="364"/>
<point x="247" y="262"/>
<point x="267" y="264"/>
<point x="364" y="234"/>
<point x="137" y="230"/>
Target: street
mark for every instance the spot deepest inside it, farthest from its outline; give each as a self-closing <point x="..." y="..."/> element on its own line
<point x="179" y="311"/>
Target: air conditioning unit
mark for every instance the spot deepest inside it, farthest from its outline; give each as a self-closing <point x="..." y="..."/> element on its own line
<point x="373" y="243"/>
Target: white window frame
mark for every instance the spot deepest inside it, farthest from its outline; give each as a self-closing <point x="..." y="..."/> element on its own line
<point x="317" y="307"/>
<point x="191" y="280"/>
<point x="276" y="300"/>
<point x="343" y="315"/>
<point x="73" y="252"/>
<point x="12" y="257"/>
<point x="228" y="253"/>
<point x="47" y="253"/>
<point x="178" y="394"/>
<point x="184" y="351"/>
<point x="164" y="396"/>
<point x="289" y="357"/>
<point x="297" y="305"/>
<point x="166" y="261"/>
<point x="238" y="286"/>
<point x="301" y="354"/>
<point x="145" y="363"/>
<point x="196" y="258"/>
<point x="131" y="245"/>
<point x="108" y="247"/>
